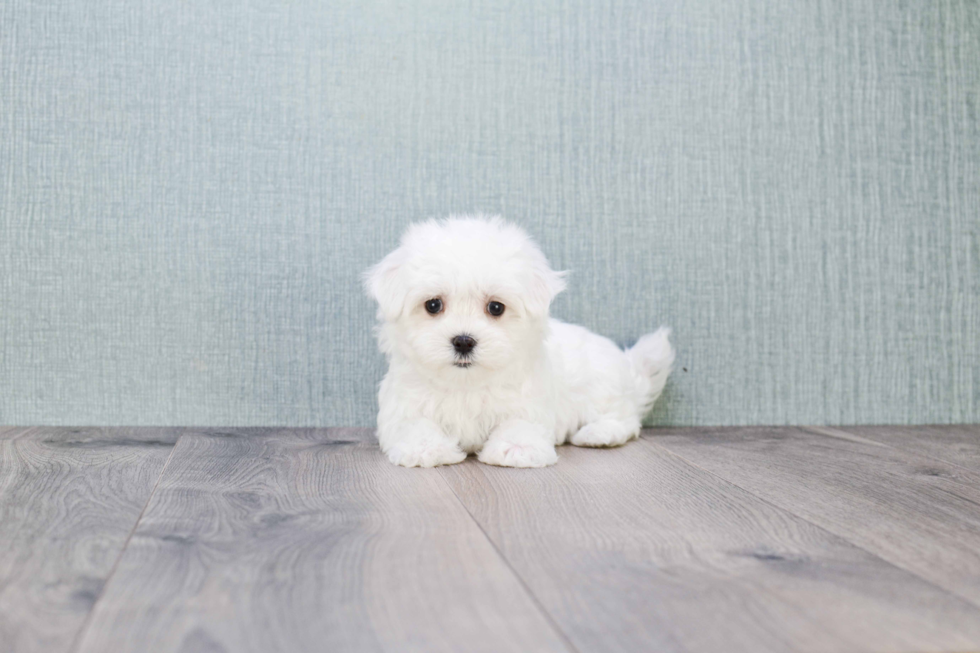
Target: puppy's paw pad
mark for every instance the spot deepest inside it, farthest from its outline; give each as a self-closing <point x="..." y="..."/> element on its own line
<point x="608" y="433"/>
<point x="506" y="453"/>
<point x="425" y="454"/>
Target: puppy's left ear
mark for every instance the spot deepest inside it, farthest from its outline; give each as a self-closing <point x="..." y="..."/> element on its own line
<point x="384" y="282"/>
<point x="542" y="287"/>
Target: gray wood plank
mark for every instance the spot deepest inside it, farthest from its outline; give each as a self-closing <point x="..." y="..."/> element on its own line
<point x="69" y="498"/>
<point x="918" y="513"/>
<point x="956" y="444"/>
<point x="11" y="432"/>
<point x="635" y="549"/>
<point x="309" y="540"/>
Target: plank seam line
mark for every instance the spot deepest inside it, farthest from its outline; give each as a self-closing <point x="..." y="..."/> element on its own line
<point x="830" y="432"/>
<point x="940" y="588"/>
<point x="14" y="431"/>
<point x="115" y="565"/>
<point x="520" y="579"/>
<point x="837" y="434"/>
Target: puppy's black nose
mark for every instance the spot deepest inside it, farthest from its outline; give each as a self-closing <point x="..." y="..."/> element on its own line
<point x="463" y="344"/>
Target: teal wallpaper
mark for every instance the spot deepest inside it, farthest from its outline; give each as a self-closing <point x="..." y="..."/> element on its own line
<point x="189" y="192"/>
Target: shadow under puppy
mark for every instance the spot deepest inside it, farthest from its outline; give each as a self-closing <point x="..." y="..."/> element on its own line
<point x="476" y="365"/>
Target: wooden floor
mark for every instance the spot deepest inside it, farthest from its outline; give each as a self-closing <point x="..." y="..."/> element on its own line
<point x="731" y="539"/>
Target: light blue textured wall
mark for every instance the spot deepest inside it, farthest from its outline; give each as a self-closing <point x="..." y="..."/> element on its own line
<point x="189" y="191"/>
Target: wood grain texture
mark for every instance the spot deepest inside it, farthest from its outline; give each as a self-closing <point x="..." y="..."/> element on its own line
<point x="954" y="444"/>
<point x="918" y="513"/>
<point x="309" y="540"/>
<point x="636" y="549"/>
<point x="69" y="498"/>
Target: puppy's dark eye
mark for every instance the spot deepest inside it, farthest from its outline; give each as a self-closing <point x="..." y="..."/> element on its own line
<point x="433" y="306"/>
<point x="495" y="309"/>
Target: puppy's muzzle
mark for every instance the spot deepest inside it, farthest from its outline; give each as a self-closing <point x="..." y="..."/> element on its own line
<point x="463" y="344"/>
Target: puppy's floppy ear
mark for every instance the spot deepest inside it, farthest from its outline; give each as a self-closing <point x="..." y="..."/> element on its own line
<point x="543" y="284"/>
<point x="385" y="283"/>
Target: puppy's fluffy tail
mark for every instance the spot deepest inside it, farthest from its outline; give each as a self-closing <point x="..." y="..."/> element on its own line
<point x="652" y="358"/>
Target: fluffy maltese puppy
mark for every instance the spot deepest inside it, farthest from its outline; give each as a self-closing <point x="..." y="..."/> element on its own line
<point x="475" y="364"/>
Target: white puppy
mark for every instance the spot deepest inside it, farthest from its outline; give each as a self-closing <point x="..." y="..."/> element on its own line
<point x="477" y="366"/>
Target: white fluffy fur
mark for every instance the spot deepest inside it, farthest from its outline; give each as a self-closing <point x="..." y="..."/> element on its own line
<point x="532" y="382"/>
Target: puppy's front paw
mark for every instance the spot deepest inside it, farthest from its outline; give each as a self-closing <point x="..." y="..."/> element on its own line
<point x="425" y="453"/>
<point x="507" y="453"/>
<point x="605" y="433"/>
<point x="519" y="447"/>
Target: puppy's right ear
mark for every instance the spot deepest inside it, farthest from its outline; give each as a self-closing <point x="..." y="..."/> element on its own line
<point x="384" y="282"/>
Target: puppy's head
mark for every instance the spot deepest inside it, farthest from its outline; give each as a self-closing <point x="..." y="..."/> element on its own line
<point x="463" y="295"/>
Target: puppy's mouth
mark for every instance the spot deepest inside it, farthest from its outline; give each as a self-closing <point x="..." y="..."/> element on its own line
<point x="462" y="364"/>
